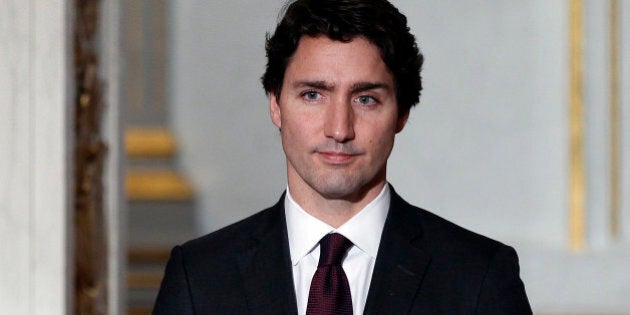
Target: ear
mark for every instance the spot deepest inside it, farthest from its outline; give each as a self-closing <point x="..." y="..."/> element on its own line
<point x="402" y="121"/>
<point x="274" y="110"/>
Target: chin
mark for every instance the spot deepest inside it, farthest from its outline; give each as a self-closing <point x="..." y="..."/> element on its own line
<point x="336" y="189"/>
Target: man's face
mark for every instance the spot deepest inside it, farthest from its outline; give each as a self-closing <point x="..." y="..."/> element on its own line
<point x="338" y="117"/>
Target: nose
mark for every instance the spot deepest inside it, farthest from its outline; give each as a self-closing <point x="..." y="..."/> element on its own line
<point x="339" y="123"/>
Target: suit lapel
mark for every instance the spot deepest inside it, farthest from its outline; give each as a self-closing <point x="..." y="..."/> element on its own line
<point x="268" y="258"/>
<point x="401" y="263"/>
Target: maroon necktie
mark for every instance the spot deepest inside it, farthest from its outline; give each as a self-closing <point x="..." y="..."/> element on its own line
<point x="330" y="291"/>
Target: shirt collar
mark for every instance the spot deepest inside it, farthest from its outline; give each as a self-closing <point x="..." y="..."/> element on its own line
<point x="305" y="230"/>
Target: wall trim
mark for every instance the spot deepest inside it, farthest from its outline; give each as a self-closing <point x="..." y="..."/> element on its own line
<point x="615" y="116"/>
<point x="577" y="179"/>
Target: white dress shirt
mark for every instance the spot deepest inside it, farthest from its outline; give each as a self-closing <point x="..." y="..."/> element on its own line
<point x="363" y="230"/>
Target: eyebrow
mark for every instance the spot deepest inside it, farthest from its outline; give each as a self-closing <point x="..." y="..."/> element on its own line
<point x="313" y="84"/>
<point x="366" y="86"/>
<point x="357" y="87"/>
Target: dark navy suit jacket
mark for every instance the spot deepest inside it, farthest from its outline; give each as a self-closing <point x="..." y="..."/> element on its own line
<point x="425" y="265"/>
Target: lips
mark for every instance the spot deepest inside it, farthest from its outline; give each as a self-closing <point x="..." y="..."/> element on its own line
<point x="332" y="157"/>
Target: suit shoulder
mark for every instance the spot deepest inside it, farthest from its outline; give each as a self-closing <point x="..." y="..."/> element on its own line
<point x="441" y="235"/>
<point x="236" y="237"/>
<point x="450" y="232"/>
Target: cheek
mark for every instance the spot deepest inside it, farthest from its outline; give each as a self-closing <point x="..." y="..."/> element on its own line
<point x="383" y="141"/>
<point x="304" y="123"/>
<point x="295" y="132"/>
<point x="377" y="132"/>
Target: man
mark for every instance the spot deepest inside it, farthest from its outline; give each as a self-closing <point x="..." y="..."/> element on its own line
<point x="342" y="76"/>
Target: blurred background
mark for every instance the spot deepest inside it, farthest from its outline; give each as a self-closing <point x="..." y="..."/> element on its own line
<point x="522" y="134"/>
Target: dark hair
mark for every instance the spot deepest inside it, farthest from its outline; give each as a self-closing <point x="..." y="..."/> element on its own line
<point x="376" y="20"/>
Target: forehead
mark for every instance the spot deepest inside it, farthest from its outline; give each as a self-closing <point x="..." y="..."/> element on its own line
<point x="324" y="59"/>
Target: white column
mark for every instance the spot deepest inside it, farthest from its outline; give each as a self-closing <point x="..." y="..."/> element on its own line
<point x="35" y="157"/>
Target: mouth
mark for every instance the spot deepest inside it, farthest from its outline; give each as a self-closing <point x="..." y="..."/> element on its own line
<point x="332" y="157"/>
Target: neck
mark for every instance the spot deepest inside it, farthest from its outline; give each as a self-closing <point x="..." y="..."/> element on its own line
<point x="334" y="211"/>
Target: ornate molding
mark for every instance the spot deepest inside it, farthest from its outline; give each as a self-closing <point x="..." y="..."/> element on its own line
<point x="90" y="150"/>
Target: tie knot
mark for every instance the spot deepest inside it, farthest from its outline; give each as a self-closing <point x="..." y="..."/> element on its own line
<point x="332" y="249"/>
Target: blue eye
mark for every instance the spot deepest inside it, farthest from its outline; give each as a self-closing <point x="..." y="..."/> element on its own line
<point x="311" y="95"/>
<point x="366" y="100"/>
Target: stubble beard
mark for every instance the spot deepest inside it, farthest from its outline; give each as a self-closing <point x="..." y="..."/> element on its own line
<point x="338" y="183"/>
